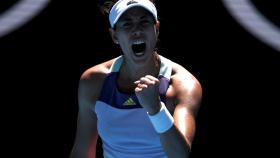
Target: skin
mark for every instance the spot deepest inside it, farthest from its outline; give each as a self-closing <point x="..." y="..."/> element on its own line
<point x="139" y="74"/>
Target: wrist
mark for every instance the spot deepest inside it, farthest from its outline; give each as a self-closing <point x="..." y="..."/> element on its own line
<point x="154" y="110"/>
<point x="162" y="120"/>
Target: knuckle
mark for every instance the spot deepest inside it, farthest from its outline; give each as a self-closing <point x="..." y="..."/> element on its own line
<point x="142" y="78"/>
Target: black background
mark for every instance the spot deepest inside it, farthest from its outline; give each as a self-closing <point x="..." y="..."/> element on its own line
<point x="42" y="61"/>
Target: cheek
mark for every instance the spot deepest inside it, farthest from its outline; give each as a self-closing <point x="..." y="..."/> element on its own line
<point x="124" y="42"/>
<point x="155" y="32"/>
<point x="122" y="38"/>
<point x="154" y="35"/>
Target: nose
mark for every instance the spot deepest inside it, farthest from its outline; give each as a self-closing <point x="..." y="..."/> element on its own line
<point x="137" y="30"/>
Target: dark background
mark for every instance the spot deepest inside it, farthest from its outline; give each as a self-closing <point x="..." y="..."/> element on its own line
<point x="42" y="61"/>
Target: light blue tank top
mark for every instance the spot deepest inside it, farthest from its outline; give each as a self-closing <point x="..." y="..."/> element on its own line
<point x="122" y="123"/>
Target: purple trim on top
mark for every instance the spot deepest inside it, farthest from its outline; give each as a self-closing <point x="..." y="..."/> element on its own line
<point x="112" y="96"/>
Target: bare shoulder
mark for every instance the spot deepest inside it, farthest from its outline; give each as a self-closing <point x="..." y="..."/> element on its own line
<point x="91" y="82"/>
<point x="181" y="74"/>
<point x="186" y="88"/>
<point x="96" y="71"/>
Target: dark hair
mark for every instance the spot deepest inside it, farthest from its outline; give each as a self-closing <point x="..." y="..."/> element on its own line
<point x="106" y="5"/>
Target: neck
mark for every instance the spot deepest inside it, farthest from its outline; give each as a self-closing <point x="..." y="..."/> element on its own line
<point x="134" y="72"/>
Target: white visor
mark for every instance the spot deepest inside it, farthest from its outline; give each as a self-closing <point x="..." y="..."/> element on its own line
<point x="123" y="5"/>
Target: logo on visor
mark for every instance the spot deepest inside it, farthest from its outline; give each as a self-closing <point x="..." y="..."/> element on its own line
<point x="131" y="2"/>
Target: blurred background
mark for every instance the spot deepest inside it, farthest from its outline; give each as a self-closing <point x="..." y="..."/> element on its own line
<point x="231" y="46"/>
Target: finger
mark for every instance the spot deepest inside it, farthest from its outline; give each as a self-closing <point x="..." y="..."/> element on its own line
<point x="137" y="82"/>
<point x="142" y="85"/>
<point x="145" y="80"/>
<point x="152" y="78"/>
<point x="138" y="89"/>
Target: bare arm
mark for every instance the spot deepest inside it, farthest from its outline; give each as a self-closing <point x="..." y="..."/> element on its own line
<point x="87" y="135"/>
<point x="187" y="93"/>
<point x="177" y="141"/>
<point x="86" y="138"/>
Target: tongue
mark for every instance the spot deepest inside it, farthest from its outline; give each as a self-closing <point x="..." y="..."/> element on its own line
<point x="137" y="48"/>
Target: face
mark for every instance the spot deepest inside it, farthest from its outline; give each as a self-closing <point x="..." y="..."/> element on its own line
<point x="137" y="34"/>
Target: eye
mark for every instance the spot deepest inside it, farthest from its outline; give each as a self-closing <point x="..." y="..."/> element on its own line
<point x="126" y="25"/>
<point x="145" y="22"/>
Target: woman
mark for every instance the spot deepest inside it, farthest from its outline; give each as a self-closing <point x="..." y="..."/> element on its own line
<point x="141" y="104"/>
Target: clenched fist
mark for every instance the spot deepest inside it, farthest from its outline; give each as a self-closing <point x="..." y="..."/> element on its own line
<point x="147" y="92"/>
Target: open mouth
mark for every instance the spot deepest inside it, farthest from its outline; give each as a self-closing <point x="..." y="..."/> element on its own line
<point x="138" y="47"/>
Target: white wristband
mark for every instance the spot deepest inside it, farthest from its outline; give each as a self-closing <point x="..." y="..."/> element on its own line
<point x="163" y="120"/>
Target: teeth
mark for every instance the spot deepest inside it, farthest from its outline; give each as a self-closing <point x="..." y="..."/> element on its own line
<point x="138" y="42"/>
<point x="139" y="54"/>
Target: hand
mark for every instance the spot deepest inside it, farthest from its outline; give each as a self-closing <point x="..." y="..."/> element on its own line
<point x="147" y="92"/>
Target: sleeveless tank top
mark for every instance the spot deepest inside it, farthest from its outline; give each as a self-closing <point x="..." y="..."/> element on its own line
<point x="122" y="123"/>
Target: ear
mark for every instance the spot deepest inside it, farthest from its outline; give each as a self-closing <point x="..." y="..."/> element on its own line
<point x="157" y="27"/>
<point x="113" y="35"/>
